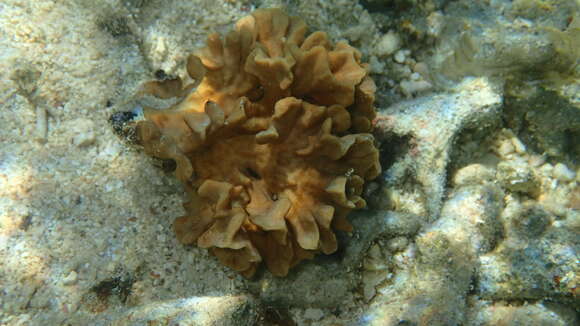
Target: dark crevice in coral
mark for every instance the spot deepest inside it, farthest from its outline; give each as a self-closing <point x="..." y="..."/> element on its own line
<point x="256" y="94"/>
<point x="123" y="126"/>
<point x="26" y="222"/>
<point x="160" y="74"/>
<point x="276" y="315"/>
<point x="392" y="148"/>
<point x="116" y="26"/>
<point x="545" y="121"/>
<point x="376" y="6"/>
<point x="572" y="145"/>
<point x="473" y="288"/>
<point x="252" y="173"/>
<point x="168" y="166"/>
<point x="117" y="286"/>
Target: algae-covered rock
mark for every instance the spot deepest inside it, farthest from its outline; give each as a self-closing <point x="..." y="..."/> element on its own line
<point x="523" y="38"/>
<point x="227" y="310"/>
<point x="544" y="120"/>
<point x="516" y="175"/>
<point x="433" y="288"/>
<point x="545" y="314"/>
<point x="539" y="259"/>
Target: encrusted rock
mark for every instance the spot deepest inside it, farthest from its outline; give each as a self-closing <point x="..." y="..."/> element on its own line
<point x="445" y="264"/>
<point x="227" y="310"/>
<point x="517" y="176"/>
<point x="429" y="126"/>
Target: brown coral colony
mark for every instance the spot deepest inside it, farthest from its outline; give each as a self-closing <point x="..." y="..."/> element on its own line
<point x="273" y="144"/>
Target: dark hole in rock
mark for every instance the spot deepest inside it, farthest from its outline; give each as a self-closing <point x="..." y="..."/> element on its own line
<point x="277" y="315"/>
<point x="168" y="166"/>
<point x="119" y="286"/>
<point x="116" y="26"/>
<point x="394" y="147"/>
<point x="161" y="75"/>
<point x="123" y="125"/>
<point x="252" y="174"/>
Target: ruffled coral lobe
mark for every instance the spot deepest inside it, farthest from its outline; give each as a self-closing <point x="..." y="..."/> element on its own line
<point x="273" y="143"/>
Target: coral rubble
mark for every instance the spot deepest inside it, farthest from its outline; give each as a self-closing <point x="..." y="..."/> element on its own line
<point x="273" y="144"/>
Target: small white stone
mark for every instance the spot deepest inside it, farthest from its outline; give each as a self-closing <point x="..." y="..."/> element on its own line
<point x="313" y="314"/>
<point x="517" y="176"/>
<point x="421" y="68"/>
<point x="71" y="278"/>
<point x="546" y="168"/>
<point x="354" y="33"/>
<point x="410" y="87"/>
<point x="369" y="291"/>
<point x="388" y="44"/>
<point x="400" y="56"/>
<point x="563" y="173"/>
<point x="72" y="306"/>
<point x="41" y="124"/>
<point x="404" y="71"/>
<point x="409" y="61"/>
<point x="111" y="267"/>
<point x="415" y="76"/>
<point x="110" y="151"/>
<point x="505" y="148"/>
<point x="473" y="174"/>
<point x="83" y="132"/>
<point x="523" y="23"/>
<point x="397" y="244"/>
<point x="536" y="160"/>
<point x="377" y="67"/>
<point x="518" y="145"/>
<point x="435" y="23"/>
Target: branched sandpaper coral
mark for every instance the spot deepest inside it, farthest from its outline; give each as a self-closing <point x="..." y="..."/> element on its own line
<point x="273" y="143"/>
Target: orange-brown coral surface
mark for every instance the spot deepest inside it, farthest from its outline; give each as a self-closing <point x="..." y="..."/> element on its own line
<point x="272" y="142"/>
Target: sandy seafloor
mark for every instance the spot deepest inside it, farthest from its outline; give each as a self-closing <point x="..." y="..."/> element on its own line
<point x="474" y="221"/>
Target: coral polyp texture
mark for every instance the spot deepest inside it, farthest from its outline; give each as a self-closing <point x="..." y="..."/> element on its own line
<point x="272" y="142"/>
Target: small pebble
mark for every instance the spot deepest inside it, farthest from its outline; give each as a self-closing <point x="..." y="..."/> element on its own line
<point x="422" y="69"/>
<point x="388" y="44"/>
<point x="400" y="56"/>
<point x="376" y="66"/>
<point x="563" y="173"/>
<point x="83" y="132"/>
<point x="71" y="278"/>
<point x="435" y="23"/>
<point x="505" y="149"/>
<point x="41" y="124"/>
<point x="110" y="267"/>
<point x="473" y="174"/>
<point x="537" y="160"/>
<point x="313" y="314"/>
<point x="411" y="87"/>
<point x="517" y="176"/>
<point x="397" y="244"/>
<point x="547" y="168"/>
<point x="518" y="145"/>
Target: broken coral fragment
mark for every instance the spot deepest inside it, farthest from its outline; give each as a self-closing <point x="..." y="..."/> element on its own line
<point x="273" y="144"/>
